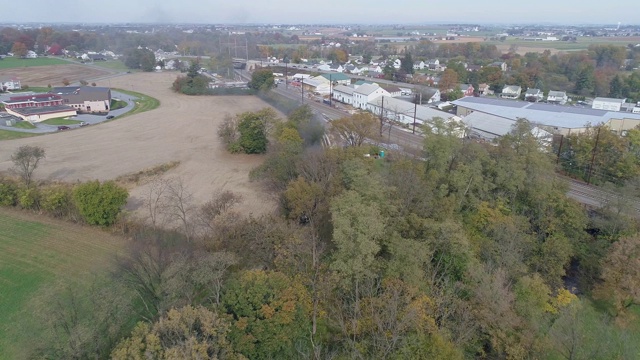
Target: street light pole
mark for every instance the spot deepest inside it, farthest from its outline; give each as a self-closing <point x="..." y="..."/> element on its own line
<point x="286" y="75"/>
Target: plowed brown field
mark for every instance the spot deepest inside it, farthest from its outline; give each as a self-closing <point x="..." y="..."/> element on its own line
<point x="182" y="129"/>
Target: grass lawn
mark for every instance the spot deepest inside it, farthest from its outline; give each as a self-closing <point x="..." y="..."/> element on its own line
<point x="143" y="103"/>
<point x="35" y="89"/>
<point x="60" y="121"/>
<point x="12" y="62"/>
<point x="35" y="251"/>
<point x="117" y="104"/>
<point x="10" y="135"/>
<point x="24" y="125"/>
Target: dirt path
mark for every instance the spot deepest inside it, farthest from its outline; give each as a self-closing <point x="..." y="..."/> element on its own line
<point x="182" y="129"/>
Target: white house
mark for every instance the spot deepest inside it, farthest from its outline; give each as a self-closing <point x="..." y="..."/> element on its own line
<point x="365" y="93"/>
<point x="511" y="92"/>
<point x="558" y="97"/>
<point x="343" y="94"/>
<point x="12" y="83"/>
<point x="299" y="77"/>
<point x="336" y="68"/>
<point x="533" y="95"/>
<point x="397" y="63"/>
<point x="324" y="67"/>
<point x="602" y="103"/>
<point x="418" y="65"/>
<point x="31" y="54"/>
<point x="376" y="69"/>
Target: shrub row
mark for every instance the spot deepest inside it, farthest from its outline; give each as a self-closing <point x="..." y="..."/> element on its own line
<point x="92" y="202"/>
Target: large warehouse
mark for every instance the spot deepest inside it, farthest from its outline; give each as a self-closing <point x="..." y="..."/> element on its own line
<point x="491" y="115"/>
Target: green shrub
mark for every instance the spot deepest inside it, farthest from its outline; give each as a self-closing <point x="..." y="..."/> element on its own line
<point x="28" y="197"/>
<point x="8" y="193"/>
<point x="56" y="200"/>
<point x="100" y="204"/>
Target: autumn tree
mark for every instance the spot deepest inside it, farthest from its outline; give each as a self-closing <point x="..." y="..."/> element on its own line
<point x="19" y="49"/>
<point x="270" y="314"/>
<point x="355" y="129"/>
<point x="25" y="161"/>
<point x="185" y="333"/>
<point x="621" y="273"/>
<point x="448" y="81"/>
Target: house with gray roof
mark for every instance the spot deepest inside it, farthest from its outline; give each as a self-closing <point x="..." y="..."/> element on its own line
<point x="491" y="127"/>
<point x="557" y="97"/>
<point x="511" y="92"/>
<point x="533" y="95"/>
<point x="338" y="78"/>
<point x="85" y="99"/>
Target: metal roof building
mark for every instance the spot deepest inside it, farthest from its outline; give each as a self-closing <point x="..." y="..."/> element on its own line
<point x="556" y="118"/>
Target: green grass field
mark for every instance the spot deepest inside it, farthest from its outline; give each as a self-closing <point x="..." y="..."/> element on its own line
<point x="60" y="121"/>
<point x="143" y="103"/>
<point x="11" y="62"/>
<point x="36" y="251"/>
<point x="10" y="135"/>
<point x="24" y="125"/>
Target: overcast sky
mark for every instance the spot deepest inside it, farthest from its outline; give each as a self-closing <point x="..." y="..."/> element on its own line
<point x="323" y="11"/>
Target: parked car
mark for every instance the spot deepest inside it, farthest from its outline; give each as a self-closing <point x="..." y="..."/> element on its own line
<point x="110" y="117"/>
<point x="82" y="123"/>
<point x="63" y="127"/>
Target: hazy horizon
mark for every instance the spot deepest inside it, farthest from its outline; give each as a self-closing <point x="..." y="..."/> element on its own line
<point x="409" y="12"/>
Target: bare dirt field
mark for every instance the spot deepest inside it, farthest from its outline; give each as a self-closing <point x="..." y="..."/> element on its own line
<point x="53" y="74"/>
<point x="182" y="129"/>
<point x="505" y="48"/>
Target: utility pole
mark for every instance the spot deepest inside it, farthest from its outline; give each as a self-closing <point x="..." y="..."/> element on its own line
<point x="330" y="91"/>
<point x="302" y="88"/>
<point x="593" y="156"/>
<point x="415" y="111"/>
<point x="560" y="149"/>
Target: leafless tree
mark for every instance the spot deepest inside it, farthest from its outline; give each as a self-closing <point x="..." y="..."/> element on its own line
<point x="220" y="203"/>
<point x="155" y="200"/>
<point x="26" y="160"/>
<point x="179" y="206"/>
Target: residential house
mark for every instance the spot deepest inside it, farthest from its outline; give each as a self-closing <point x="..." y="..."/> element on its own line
<point x="467" y="89"/>
<point x="340" y="79"/>
<point x="429" y="95"/>
<point x="499" y="64"/>
<point x="484" y="90"/>
<point x="324" y="67"/>
<point x="511" y="92"/>
<point x="533" y="95"/>
<point x="610" y="104"/>
<point x="474" y="67"/>
<point x="86" y="99"/>
<point x="343" y="94"/>
<point x="393" y="90"/>
<point x="336" y="68"/>
<point x="31" y="54"/>
<point x="397" y="64"/>
<point x="352" y="69"/>
<point x="557" y="97"/>
<point x="374" y="69"/>
<point x="418" y="65"/>
<point x="433" y="65"/>
<point x="11" y="83"/>
<point x="365" y="93"/>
